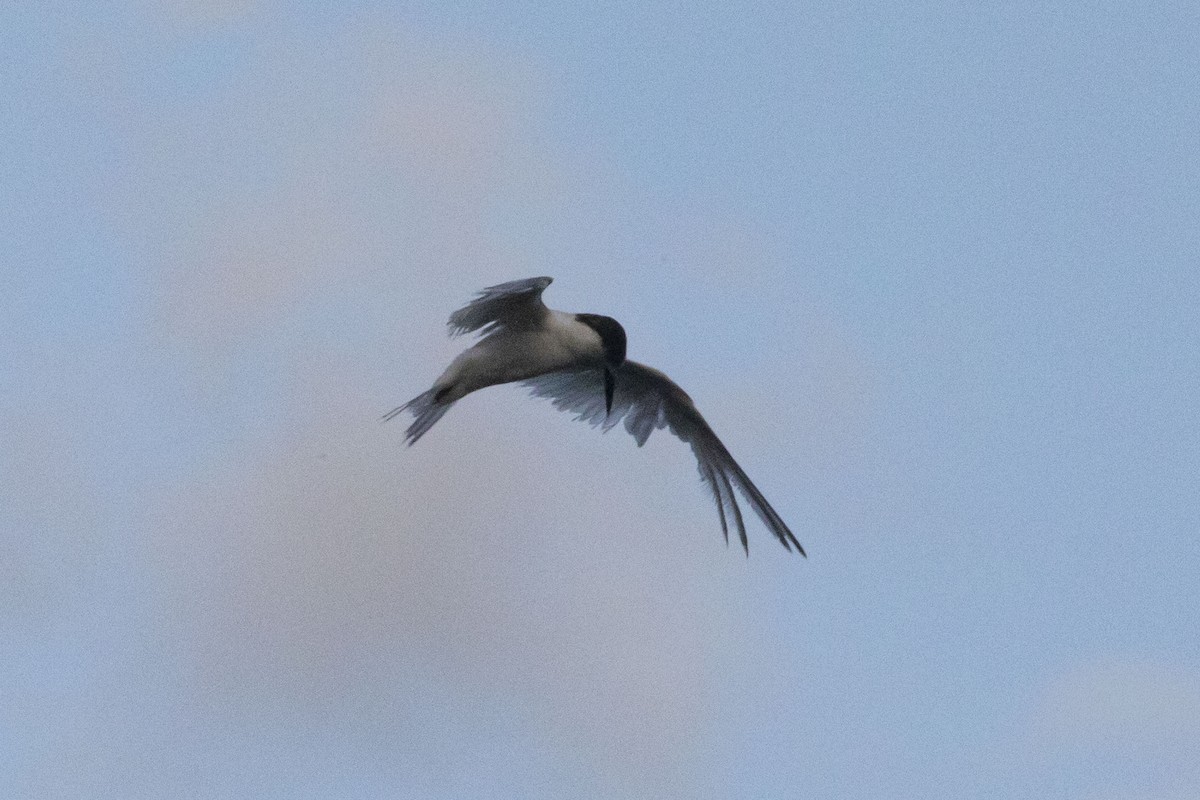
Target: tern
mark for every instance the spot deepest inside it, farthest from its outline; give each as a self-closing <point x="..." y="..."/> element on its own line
<point x="578" y="362"/>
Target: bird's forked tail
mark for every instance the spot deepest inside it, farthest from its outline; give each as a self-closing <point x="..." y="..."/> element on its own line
<point x="425" y="409"/>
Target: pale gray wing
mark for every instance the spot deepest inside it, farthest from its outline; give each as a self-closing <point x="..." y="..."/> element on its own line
<point x="646" y="400"/>
<point x="516" y="304"/>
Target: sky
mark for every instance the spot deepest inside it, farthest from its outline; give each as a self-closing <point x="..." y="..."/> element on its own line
<point x="929" y="269"/>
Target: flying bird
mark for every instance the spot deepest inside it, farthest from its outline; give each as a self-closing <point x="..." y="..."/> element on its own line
<point x="578" y="362"/>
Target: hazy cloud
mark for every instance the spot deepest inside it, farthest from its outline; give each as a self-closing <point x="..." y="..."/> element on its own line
<point x="417" y="179"/>
<point x="1124" y="703"/>
<point x="199" y="14"/>
<point x="300" y="235"/>
<point x="1121" y="728"/>
<point x="49" y="506"/>
<point x="338" y="560"/>
<point x="320" y="561"/>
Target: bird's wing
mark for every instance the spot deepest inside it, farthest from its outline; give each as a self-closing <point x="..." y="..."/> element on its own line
<point x="647" y="399"/>
<point x="514" y="304"/>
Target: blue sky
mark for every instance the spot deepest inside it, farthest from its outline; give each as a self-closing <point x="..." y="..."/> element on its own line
<point x="928" y="268"/>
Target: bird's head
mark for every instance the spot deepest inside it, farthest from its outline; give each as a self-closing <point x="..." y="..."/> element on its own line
<point x="612" y="341"/>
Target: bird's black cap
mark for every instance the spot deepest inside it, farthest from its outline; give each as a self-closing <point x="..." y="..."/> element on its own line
<point x="612" y="336"/>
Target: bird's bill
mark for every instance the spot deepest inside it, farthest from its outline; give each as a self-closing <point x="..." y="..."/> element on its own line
<point x="610" y="387"/>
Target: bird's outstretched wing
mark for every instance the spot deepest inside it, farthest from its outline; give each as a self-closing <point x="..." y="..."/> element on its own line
<point x="516" y="304"/>
<point x="647" y="399"/>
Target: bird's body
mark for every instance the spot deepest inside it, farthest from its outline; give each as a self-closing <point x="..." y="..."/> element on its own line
<point x="557" y="342"/>
<point x="578" y="361"/>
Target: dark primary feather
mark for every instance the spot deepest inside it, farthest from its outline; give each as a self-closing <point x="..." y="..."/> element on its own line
<point x="512" y="304"/>
<point x="647" y="400"/>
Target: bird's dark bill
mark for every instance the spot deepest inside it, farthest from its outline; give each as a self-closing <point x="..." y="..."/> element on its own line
<point x="610" y="387"/>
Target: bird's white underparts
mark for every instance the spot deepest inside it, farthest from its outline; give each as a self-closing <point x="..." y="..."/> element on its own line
<point x="578" y="362"/>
